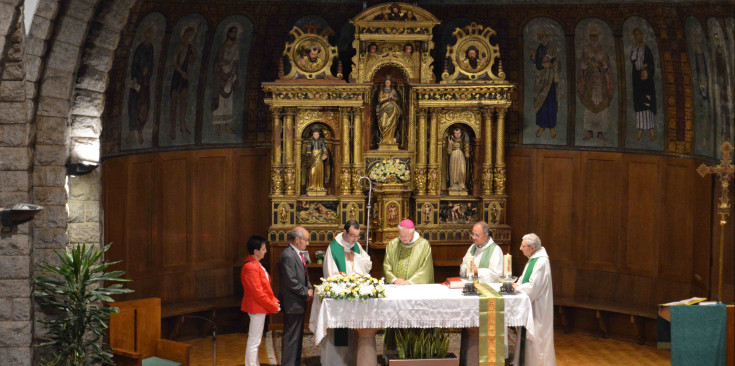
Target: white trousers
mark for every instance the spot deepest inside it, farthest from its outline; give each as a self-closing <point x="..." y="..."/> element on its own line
<point x="255" y="333"/>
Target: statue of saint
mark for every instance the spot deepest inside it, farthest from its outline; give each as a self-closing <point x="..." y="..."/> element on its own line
<point x="458" y="151"/>
<point x="316" y="168"/>
<point x="388" y="112"/>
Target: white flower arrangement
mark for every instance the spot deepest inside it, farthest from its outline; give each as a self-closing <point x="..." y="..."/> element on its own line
<point x="390" y="169"/>
<point x="351" y="287"/>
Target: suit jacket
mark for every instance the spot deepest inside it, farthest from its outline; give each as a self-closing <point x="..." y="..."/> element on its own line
<point x="293" y="285"/>
<point x="257" y="295"/>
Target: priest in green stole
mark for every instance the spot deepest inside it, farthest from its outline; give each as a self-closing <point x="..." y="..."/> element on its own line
<point x="535" y="281"/>
<point x="484" y="258"/>
<point x="408" y="257"/>
<point x="344" y="256"/>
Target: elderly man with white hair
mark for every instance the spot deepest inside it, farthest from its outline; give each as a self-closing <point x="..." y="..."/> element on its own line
<point x="536" y="283"/>
<point x="408" y="257"/>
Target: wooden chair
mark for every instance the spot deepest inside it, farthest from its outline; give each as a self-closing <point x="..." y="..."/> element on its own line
<point x="135" y="336"/>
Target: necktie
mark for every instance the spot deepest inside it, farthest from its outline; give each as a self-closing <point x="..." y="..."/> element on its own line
<point x="302" y="259"/>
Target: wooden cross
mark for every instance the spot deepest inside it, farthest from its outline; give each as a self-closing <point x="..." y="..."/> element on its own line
<point x="724" y="172"/>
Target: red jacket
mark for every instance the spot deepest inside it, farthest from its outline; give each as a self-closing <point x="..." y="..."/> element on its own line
<point x="258" y="296"/>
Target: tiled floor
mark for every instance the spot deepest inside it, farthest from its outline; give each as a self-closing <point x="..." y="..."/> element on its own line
<point x="571" y="350"/>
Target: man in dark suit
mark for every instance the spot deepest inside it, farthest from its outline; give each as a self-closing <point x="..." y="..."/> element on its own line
<point x="295" y="292"/>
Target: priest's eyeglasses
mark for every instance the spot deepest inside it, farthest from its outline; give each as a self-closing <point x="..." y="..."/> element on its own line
<point x="473" y="235"/>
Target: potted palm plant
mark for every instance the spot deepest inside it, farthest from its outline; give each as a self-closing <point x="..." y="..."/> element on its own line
<point x="74" y="297"/>
<point x="422" y="347"/>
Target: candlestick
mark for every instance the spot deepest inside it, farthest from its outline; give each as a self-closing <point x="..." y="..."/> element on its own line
<point x="507" y="265"/>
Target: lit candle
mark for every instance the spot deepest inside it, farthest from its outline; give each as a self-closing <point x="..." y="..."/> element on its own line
<point x="507" y="266"/>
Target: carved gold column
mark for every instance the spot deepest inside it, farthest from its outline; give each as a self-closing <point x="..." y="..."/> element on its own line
<point x="357" y="162"/>
<point x="499" y="171"/>
<point x="345" y="180"/>
<point x="289" y="171"/>
<point x="276" y="168"/>
<point x="433" y="169"/>
<point x="420" y="171"/>
<point x="487" y="164"/>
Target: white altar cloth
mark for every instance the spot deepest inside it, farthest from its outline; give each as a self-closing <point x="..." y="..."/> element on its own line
<point x="414" y="306"/>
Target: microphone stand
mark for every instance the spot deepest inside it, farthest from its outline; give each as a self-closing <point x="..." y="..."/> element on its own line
<point x="214" y="335"/>
<point x="369" y="206"/>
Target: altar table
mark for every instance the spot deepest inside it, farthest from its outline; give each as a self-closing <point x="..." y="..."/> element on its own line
<point x="412" y="306"/>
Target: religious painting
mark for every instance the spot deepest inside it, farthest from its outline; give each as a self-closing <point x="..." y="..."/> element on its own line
<point x="316" y="160"/>
<point x="459" y="212"/>
<point x="545" y="83"/>
<point x="138" y="111"/>
<point x="597" y="97"/>
<point x="644" y="102"/>
<point x="317" y="212"/>
<point x="721" y="92"/>
<point x="699" y="56"/>
<point x="181" y="81"/>
<point x="447" y="38"/>
<point x="457" y="160"/>
<point x="223" y="106"/>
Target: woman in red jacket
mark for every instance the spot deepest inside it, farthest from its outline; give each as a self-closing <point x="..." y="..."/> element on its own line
<point x="258" y="299"/>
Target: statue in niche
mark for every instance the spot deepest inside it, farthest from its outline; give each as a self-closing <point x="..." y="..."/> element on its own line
<point x="392" y="214"/>
<point x="316" y="168"/>
<point x="388" y="112"/>
<point x="458" y="153"/>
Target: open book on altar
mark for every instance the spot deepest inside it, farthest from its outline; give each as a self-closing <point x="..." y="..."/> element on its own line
<point x="454" y="282"/>
<point x="690" y="301"/>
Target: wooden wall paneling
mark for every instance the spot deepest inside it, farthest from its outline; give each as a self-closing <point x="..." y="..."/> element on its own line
<point x="214" y="282"/>
<point x="174" y="205"/>
<point x="251" y="188"/>
<point x="642" y="217"/>
<point x="556" y="185"/>
<point x="675" y="263"/>
<point x="139" y="207"/>
<point x="211" y="209"/>
<point x="178" y="286"/>
<point x="520" y="211"/>
<point x="114" y="189"/>
<point x="601" y="194"/>
<point x="703" y="221"/>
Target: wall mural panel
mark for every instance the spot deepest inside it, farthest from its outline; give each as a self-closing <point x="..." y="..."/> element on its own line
<point x="721" y="85"/>
<point x="545" y="88"/>
<point x="644" y="95"/>
<point x="223" y="106"/>
<point x="597" y="94"/>
<point x="699" y="56"/>
<point x="180" y="82"/>
<point x="138" y="108"/>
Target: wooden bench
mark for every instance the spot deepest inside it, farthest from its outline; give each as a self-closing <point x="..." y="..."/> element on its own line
<point x="210" y="305"/>
<point x="636" y="314"/>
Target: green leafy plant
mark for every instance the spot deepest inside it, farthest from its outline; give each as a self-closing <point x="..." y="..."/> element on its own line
<point x="421" y="343"/>
<point x="73" y="296"/>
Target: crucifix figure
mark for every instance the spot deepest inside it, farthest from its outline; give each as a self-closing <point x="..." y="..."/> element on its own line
<point x="724" y="171"/>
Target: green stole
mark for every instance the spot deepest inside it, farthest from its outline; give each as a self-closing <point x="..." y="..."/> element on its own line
<point x="485" y="259"/>
<point x="492" y="326"/>
<point x="527" y="276"/>
<point x="338" y="254"/>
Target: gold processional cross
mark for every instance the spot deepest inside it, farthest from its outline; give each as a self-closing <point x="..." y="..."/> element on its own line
<point x="724" y="172"/>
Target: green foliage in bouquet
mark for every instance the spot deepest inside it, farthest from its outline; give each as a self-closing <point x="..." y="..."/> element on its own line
<point x="74" y="298"/>
<point x="421" y="343"/>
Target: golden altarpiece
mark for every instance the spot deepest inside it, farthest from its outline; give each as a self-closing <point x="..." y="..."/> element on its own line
<point x="434" y="150"/>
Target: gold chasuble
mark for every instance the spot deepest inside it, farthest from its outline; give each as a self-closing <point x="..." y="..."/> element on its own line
<point x="492" y="326"/>
<point x="412" y="262"/>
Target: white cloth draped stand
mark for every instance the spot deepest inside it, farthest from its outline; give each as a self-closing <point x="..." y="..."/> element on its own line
<point x="414" y="306"/>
